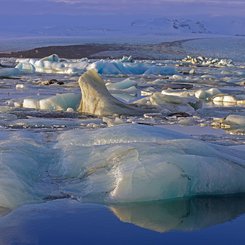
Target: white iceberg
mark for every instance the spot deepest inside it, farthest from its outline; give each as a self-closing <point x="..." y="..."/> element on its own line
<point x="206" y="94"/>
<point x="59" y="102"/>
<point x="21" y="164"/>
<point x="227" y="99"/>
<point x="52" y="64"/>
<point x="96" y="99"/>
<point x="131" y="163"/>
<point x="10" y="72"/>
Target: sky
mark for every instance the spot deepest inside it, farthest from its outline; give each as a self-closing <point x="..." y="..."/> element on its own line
<point x="72" y="17"/>
<point x="122" y="7"/>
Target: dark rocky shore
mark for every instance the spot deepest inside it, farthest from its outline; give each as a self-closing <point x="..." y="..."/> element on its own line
<point x="148" y="51"/>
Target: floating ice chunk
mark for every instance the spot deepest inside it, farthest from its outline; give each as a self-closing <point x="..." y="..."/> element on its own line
<point x="117" y="67"/>
<point x="229" y="99"/>
<point x="52" y="64"/>
<point x="22" y="161"/>
<point x="127" y="59"/>
<point x="207" y="94"/>
<point x="54" y="103"/>
<point x="224" y="98"/>
<point x="176" y="77"/>
<point x="174" y="103"/>
<point x="236" y="119"/>
<point x="204" y="61"/>
<point x="132" y="163"/>
<point x="125" y="84"/>
<point x="20" y="86"/>
<point x="31" y="103"/>
<point x="97" y="100"/>
<point x="9" y="72"/>
<point x="26" y="67"/>
<point x="61" y="102"/>
<point x="234" y="122"/>
<point x="51" y="58"/>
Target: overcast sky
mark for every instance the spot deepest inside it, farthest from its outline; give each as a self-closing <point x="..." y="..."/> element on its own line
<point x="126" y="7"/>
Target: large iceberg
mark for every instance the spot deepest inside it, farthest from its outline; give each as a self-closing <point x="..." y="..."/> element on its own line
<point x="126" y="163"/>
<point x="54" y="64"/>
<point x="133" y="163"/>
<point x="116" y="67"/>
<point x="97" y="100"/>
<point x="59" y="102"/>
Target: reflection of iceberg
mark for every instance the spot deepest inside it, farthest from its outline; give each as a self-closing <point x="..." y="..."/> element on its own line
<point x="4" y="211"/>
<point x="186" y="215"/>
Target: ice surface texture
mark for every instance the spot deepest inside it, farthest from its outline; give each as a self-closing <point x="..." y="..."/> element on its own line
<point x="131" y="163"/>
<point x="117" y="67"/>
<point x="97" y="100"/>
<point x="126" y="163"/>
<point x="54" y="103"/>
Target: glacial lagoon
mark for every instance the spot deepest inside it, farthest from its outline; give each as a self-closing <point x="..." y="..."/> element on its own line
<point x="172" y="172"/>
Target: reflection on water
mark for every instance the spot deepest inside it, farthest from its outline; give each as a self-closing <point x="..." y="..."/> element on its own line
<point x="4" y="211"/>
<point x="185" y="215"/>
<point x="70" y="222"/>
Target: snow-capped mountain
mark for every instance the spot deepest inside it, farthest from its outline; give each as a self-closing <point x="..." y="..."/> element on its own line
<point x="212" y="25"/>
<point x="117" y="29"/>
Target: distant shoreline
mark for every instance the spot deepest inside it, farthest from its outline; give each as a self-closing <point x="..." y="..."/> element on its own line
<point x="95" y="50"/>
<point x="222" y="47"/>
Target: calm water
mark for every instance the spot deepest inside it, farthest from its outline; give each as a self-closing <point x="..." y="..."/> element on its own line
<point x="196" y="221"/>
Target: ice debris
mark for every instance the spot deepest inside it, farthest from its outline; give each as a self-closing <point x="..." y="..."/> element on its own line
<point x="54" y="64"/>
<point x="58" y="102"/>
<point x="204" y="61"/>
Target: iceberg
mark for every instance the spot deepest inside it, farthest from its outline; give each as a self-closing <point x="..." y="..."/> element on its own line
<point x="59" y="102"/>
<point x="226" y="99"/>
<point x="119" y="164"/>
<point x="234" y="123"/>
<point x="9" y="72"/>
<point x="206" y="94"/>
<point x="115" y="67"/>
<point x="205" y="61"/>
<point x="97" y="100"/>
<point x="52" y="64"/>
<point x="135" y="163"/>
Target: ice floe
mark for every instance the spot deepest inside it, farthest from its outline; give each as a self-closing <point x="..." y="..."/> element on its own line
<point x="54" y="103"/>
<point x="54" y="64"/>
<point x="22" y="161"/>
<point x="143" y="163"/>
<point x="204" y="61"/>
<point x="97" y="100"/>
<point x="116" y="67"/>
<point x="233" y="123"/>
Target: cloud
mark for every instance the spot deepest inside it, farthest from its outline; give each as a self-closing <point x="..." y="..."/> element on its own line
<point x="122" y="7"/>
